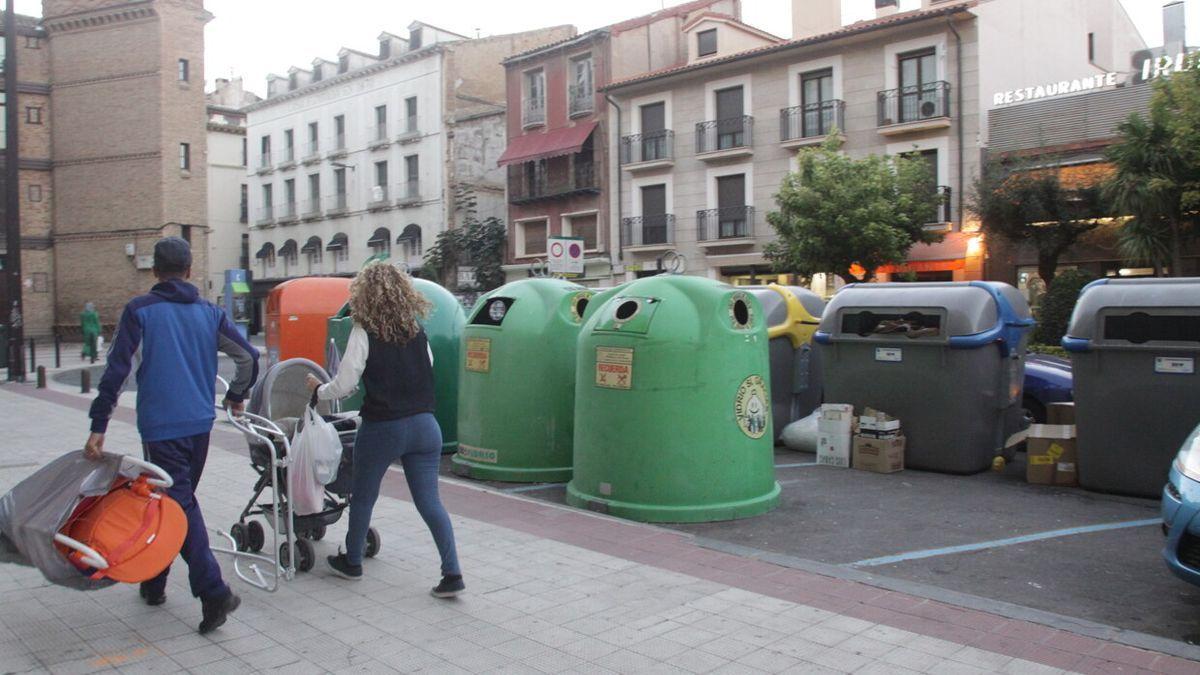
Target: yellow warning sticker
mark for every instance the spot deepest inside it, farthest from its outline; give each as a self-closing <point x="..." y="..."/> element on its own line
<point x="1041" y="459"/>
<point x="479" y="352"/>
<point x="1055" y="450"/>
<point x="614" y="367"/>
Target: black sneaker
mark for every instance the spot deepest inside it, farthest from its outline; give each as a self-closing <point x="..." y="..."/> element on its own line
<point x="216" y="611"/>
<point x="152" y="597"/>
<point x="341" y="567"/>
<point x="451" y="585"/>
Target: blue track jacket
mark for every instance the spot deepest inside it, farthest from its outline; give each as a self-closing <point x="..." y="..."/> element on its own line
<point x="169" y="338"/>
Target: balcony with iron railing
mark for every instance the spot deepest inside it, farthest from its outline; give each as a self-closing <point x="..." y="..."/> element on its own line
<point x="410" y="132"/>
<point x="377" y="137"/>
<point x="312" y="154"/>
<point x="809" y="124"/>
<point x="914" y="108"/>
<point x="265" y="165"/>
<point x="286" y="159"/>
<point x="285" y="213"/>
<point x="655" y="149"/>
<point x="579" y="178"/>
<point x="377" y="198"/>
<point x="336" y="205"/>
<point x="410" y="193"/>
<point x="580" y="100"/>
<point x="337" y="147"/>
<point x="266" y="216"/>
<point x="721" y="139"/>
<point x="648" y="232"/>
<point x="731" y="225"/>
<point x="311" y="209"/>
<point x="533" y="112"/>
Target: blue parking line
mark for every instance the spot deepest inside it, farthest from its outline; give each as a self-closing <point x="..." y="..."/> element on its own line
<point x="966" y="548"/>
<point x="792" y="466"/>
<point x="531" y="488"/>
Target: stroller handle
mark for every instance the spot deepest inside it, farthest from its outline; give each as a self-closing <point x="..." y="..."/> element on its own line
<point x="87" y="554"/>
<point x="164" y="479"/>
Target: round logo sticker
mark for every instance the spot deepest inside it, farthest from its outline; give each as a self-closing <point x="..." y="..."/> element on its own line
<point x="750" y="407"/>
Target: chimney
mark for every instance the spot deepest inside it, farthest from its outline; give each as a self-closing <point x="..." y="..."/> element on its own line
<point x="886" y="8"/>
<point x="814" y="17"/>
<point x="1174" y="33"/>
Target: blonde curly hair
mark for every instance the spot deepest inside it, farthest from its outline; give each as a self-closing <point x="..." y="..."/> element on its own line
<point x="384" y="302"/>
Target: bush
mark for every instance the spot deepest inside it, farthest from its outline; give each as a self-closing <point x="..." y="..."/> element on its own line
<point x="1057" y="305"/>
<point x="1048" y="350"/>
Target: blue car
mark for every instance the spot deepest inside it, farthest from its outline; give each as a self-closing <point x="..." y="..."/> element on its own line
<point x="1180" y="504"/>
<point x="1047" y="380"/>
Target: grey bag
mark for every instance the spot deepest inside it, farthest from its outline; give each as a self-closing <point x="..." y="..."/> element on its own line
<point x="38" y="507"/>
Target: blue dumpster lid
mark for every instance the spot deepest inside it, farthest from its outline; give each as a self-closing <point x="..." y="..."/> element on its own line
<point x="962" y="315"/>
<point x="1125" y="312"/>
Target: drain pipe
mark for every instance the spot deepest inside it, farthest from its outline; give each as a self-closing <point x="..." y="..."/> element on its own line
<point x="617" y="248"/>
<point x="959" y="116"/>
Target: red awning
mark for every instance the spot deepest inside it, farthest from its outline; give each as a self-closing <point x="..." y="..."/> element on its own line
<point x="549" y="144"/>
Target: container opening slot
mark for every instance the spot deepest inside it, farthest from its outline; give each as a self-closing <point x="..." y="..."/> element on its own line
<point x="741" y="313"/>
<point x="626" y="310"/>
<point x="909" y="324"/>
<point x="1141" y="327"/>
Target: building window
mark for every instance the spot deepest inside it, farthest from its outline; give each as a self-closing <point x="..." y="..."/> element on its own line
<point x="185" y="156"/>
<point x="268" y="208"/>
<point x="581" y="92"/>
<point x="317" y="72"/>
<point x="380" y="122"/>
<point x="344" y="63"/>
<point x="706" y="42"/>
<point x="245" y="203"/>
<point x="410" y="241"/>
<point x="339" y="132"/>
<point x="33" y="114"/>
<point x="410" y="114"/>
<point x="532" y="239"/>
<point x="918" y="84"/>
<point x="583" y="226"/>
<point x="314" y="193"/>
<point x="655" y="221"/>
<point x="314" y="145"/>
<point x="265" y="151"/>
<point x="816" y="96"/>
<point x="289" y="145"/>
<point x="185" y="231"/>
<point x="731" y="124"/>
<point x="33" y="42"/>
<point x="380" y="189"/>
<point x="1091" y="47"/>
<point x="414" y="38"/>
<point x="412" y="176"/>
<point x="245" y="151"/>
<point x="535" y="97"/>
<point x="293" y="81"/>
<point x="731" y="217"/>
<point x="289" y="195"/>
<point x="184" y="75"/>
<point x="35" y="193"/>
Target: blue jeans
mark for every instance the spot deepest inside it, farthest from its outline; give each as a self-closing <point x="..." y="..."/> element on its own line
<point x="417" y="442"/>
<point x="184" y="459"/>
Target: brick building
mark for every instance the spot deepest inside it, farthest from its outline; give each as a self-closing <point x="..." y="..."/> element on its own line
<point x="37" y="261"/>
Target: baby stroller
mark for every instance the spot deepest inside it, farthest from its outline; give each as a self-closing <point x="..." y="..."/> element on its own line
<point x="87" y="524"/>
<point x="276" y="405"/>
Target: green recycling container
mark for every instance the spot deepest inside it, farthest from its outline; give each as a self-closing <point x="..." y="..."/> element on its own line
<point x="444" y="329"/>
<point x="516" y="406"/>
<point x="672" y="404"/>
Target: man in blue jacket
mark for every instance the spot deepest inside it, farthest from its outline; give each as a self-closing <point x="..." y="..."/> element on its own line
<point x="172" y="335"/>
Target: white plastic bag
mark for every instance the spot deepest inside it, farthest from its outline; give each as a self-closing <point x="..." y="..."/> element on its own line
<point x="316" y="454"/>
<point x="801" y="435"/>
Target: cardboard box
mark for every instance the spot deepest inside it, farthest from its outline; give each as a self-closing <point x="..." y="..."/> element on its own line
<point x="833" y="449"/>
<point x="1061" y="413"/>
<point x="1051" y="455"/>
<point x="881" y="455"/>
<point x="836" y="418"/>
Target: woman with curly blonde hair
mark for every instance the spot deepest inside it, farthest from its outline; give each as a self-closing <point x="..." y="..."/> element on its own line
<point x="388" y="350"/>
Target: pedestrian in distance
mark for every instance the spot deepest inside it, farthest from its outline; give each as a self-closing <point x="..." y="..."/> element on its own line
<point x="389" y="351"/>
<point x="174" y="336"/>
<point x="89" y="326"/>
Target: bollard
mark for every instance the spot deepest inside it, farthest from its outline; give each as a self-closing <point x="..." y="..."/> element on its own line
<point x="57" y="350"/>
<point x="32" y="354"/>
<point x="41" y="377"/>
<point x="85" y="381"/>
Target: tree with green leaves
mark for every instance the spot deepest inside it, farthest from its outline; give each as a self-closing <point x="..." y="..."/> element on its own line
<point x="1157" y="177"/>
<point x="1031" y="205"/>
<point x="476" y="243"/>
<point x="836" y="212"/>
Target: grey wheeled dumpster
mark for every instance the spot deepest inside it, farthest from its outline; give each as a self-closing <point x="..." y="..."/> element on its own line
<point x="793" y="314"/>
<point x="1134" y="345"/>
<point x="947" y="359"/>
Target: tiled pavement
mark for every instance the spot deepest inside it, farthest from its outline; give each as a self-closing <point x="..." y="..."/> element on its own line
<point x="549" y="590"/>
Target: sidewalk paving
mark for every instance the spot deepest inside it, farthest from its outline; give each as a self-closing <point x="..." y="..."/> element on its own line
<point x="549" y="589"/>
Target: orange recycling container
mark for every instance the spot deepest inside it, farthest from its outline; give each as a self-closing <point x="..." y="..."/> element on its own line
<point x="297" y="312"/>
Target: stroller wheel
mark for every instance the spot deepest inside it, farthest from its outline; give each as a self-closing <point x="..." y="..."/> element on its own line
<point x="306" y="556"/>
<point x="373" y="543"/>
<point x="317" y="533"/>
<point x="255" y="537"/>
<point x="240" y="536"/>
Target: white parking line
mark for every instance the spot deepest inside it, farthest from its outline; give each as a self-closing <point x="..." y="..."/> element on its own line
<point x="966" y="548"/>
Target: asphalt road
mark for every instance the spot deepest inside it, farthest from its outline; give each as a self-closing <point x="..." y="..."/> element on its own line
<point x="840" y="517"/>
